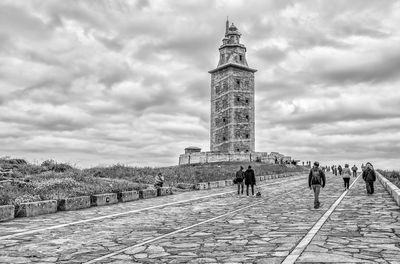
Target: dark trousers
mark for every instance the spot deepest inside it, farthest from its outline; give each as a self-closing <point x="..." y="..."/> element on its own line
<point x="354" y="174"/>
<point x="247" y="189"/>
<point x="158" y="188"/>
<point x="316" y="188"/>
<point x="370" y="187"/>
<point x="346" y="182"/>
<point x="240" y="184"/>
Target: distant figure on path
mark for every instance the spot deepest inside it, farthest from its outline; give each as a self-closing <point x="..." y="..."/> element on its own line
<point x="249" y="179"/>
<point x="158" y="183"/>
<point x="346" y="176"/>
<point x="354" y="169"/>
<point x="369" y="177"/>
<point x="316" y="180"/>
<point x="239" y="179"/>
<point x="340" y="169"/>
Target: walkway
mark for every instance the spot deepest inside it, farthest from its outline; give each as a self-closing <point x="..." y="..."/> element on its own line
<point x="221" y="227"/>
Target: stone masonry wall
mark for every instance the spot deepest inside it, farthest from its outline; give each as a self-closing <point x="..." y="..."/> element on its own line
<point x="232" y="111"/>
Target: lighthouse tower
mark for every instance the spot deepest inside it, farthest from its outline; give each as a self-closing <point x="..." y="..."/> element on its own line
<point x="232" y="98"/>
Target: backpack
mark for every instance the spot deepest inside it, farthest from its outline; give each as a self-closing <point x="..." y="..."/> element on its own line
<point x="315" y="177"/>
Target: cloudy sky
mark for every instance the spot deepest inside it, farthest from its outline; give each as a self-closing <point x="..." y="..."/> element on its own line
<point x="104" y="82"/>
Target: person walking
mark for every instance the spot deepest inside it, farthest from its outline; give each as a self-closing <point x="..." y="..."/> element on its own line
<point x="316" y="180"/>
<point x="340" y="169"/>
<point x="346" y="174"/>
<point x="369" y="177"/>
<point x="354" y="169"/>
<point x="239" y="179"/>
<point x="249" y="180"/>
<point x="158" y="183"/>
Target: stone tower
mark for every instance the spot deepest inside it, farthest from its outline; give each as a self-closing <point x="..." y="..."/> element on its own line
<point x="232" y="98"/>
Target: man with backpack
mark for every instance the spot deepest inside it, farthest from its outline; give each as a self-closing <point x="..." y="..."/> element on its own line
<point x="369" y="177"/>
<point x="316" y="180"/>
<point x="239" y="179"/>
<point x="249" y="179"/>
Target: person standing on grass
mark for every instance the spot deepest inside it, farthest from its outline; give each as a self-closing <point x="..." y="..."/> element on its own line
<point x="316" y="180"/>
<point x="158" y="183"/>
<point x="346" y="174"/>
<point x="369" y="177"/>
<point x="249" y="180"/>
<point x="354" y="169"/>
<point x="239" y="179"/>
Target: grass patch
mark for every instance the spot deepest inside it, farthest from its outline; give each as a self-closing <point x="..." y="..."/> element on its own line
<point x="52" y="180"/>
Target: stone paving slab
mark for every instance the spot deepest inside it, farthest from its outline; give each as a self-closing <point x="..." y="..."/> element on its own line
<point x="264" y="233"/>
<point x="86" y="241"/>
<point x="363" y="229"/>
<point x="26" y="224"/>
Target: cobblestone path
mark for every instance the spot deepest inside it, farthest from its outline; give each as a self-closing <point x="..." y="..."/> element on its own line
<point x="217" y="229"/>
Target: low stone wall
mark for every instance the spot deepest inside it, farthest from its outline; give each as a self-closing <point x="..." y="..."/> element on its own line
<point x="6" y="212"/>
<point x="74" y="203"/>
<point x="37" y="208"/>
<point x="211" y="157"/>
<point x="104" y="199"/>
<point x="392" y="189"/>
<point x="164" y="191"/>
<point x="147" y="193"/>
<point x="128" y="196"/>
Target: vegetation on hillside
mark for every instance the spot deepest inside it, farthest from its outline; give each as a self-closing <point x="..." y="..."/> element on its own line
<point x="393" y="176"/>
<point x="52" y="180"/>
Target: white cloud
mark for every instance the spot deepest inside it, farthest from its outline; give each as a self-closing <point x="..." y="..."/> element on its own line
<point x="108" y="81"/>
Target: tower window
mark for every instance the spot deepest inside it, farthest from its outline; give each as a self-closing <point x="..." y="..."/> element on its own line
<point x="238" y="150"/>
<point x="240" y="57"/>
<point x="247" y="135"/>
<point x="223" y="138"/>
<point x="247" y="101"/>
<point x="247" y="117"/>
<point x="238" y="82"/>
<point x="238" y="99"/>
<point x="247" y="150"/>
<point x="224" y="119"/>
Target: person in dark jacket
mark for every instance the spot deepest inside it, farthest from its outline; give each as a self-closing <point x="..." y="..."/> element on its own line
<point x="369" y="177"/>
<point x="340" y="169"/>
<point x="249" y="180"/>
<point x="316" y="180"/>
<point x="239" y="179"/>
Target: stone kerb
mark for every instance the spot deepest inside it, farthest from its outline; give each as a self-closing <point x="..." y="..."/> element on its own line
<point x="147" y="193"/>
<point x="165" y="191"/>
<point x="37" y="208"/>
<point x="392" y="189"/>
<point x="104" y="199"/>
<point x="221" y="184"/>
<point x="128" y="196"/>
<point x="74" y="203"/>
<point x="212" y="184"/>
<point x="6" y="212"/>
<point x="202" y="186"/>
<point x="228" y="182"/>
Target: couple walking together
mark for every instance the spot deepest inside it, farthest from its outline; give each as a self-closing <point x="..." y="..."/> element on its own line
<point x="245" y="177"/>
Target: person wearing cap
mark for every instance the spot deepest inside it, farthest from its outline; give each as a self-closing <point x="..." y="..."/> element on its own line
<point x="346" y="174"/>
<point x="369" y="177"/>
<point x="316" y="180"/>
